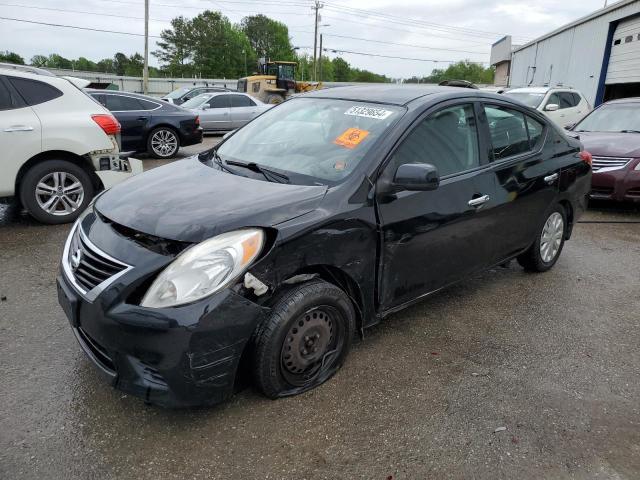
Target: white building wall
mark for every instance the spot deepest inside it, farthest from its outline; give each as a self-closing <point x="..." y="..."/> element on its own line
<point x="573" y="56"/>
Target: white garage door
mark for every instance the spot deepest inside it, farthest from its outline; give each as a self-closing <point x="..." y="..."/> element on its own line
<point x="624" y="64"/>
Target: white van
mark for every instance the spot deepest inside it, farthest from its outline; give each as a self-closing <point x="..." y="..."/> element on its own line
<point x="58" y="147"/>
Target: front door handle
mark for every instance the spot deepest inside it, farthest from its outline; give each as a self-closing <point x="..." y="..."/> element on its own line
<point x="19" y="128"/>
<point x="476" y="202"/>
<point x="551" y="178"/>
<point x="143" y="118"/>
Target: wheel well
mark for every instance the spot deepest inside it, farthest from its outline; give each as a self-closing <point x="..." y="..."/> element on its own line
<point x="568" y="209"/>
<point x="57" y="155"/>
<point x="342" y="280"/>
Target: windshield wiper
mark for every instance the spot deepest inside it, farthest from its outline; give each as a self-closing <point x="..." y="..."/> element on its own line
<point x="629" y="131"/>
<point x="220" y="163"/>
<point x="269" y="174"/>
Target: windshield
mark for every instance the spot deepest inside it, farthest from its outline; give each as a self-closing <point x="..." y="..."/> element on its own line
<point x="612" y="118"/>
<point x="316" y="140"/>
<point x="196" y="101"/>
<point x="529" y="99"/>
<point x="178" y="92"/>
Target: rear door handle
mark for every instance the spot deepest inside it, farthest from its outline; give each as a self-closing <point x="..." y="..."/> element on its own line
<point x="143" y="118"/>
<point x="551" y="178"/>
<point x="19" y="128"/>
<point x="476" y="202"/>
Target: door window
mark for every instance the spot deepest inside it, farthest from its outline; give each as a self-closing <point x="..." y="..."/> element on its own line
<point x="118" y="103"/>
<point x="8" y="101"/>
<point x="555" y="99"/>
<point x="535" y="129"/>
<point x="576" y="98"/>
<point x="220" y="101"/>
<point x="193" y="93"/>
<point x="34" y="92"/>
<point x="241" y="101"/>
<point x="508" y="132"/>
<point x="567" y="100"/>
<point x="147" y="105"/>
<point x="447" y="139"/>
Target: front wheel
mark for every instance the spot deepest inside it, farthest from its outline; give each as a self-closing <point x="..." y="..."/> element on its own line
<point x="544" y="252"/>
<point x="163" y="142"/>
<point x="305" y="340"/>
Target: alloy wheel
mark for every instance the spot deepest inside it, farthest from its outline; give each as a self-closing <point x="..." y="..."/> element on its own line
<point x="551" y="238"/>
<point x="164" y="143"/>
<point x="59" y="193"/>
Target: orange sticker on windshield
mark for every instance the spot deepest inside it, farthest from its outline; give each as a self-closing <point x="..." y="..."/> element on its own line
<point x="351" y="137"/>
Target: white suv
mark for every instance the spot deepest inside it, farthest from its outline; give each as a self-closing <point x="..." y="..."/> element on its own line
<point x="58" y="147"/>
<point x="565" y="106"/>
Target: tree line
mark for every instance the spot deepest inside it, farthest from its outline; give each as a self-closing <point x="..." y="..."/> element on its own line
<point x="209" y="45"/>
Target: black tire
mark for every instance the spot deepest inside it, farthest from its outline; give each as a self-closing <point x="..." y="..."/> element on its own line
<point x="274" y="99"/>
<point x="317" y="316"/>
<point x="532" y="260"/>
<point x="162" y="150"/>
<point x="35" y="203"/>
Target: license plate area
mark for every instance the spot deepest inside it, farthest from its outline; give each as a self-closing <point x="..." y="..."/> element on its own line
<point x="69" y="303"/>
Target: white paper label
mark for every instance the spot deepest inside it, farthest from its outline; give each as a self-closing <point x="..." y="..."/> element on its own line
<point x="369" y="112"/>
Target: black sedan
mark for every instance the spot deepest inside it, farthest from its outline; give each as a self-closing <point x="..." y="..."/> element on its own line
<point x="150" y="125"/>
<point x="312" y="223"/>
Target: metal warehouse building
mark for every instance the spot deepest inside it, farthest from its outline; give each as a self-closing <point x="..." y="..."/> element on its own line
<point x="598" y="55"/>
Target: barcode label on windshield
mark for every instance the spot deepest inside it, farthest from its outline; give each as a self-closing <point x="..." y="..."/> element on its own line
<point x="369" y="112"/>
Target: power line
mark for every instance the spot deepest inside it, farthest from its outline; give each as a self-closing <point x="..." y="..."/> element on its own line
<point x="368" y="54"/>
<point x="404" y="44"/>
<point x="76" y="27"/>
<point x="82" y="12"/>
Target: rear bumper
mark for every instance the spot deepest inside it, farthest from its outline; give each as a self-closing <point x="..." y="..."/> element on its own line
<point x="109" y="178"/>
<point x="191" y="138"/>
<point x="621" y="185"/>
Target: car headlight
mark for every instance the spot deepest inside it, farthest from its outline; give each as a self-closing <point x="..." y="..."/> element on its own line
<point x="205" y="268"/>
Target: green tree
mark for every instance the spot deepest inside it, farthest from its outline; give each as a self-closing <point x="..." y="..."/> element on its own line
<point x="268" y="38"/>
<point x="58" y="61"/>
<point x="341" y="70"/>
<point x="134" y="66"/>
<point x="463" y="70"/>
<point x="84" y="64"/>
<point x="39" y="60"/>
<point x="176" y="47"/>
<point x="11" y="57"/>
<point x="106" y="65"/>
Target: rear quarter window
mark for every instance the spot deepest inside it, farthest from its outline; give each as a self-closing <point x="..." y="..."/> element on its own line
<point x="34" y="92"/>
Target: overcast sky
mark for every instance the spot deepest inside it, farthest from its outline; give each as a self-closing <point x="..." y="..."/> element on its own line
<point x="477" y="24"/>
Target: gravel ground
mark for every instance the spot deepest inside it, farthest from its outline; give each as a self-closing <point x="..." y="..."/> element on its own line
<point x="507" y="375"/>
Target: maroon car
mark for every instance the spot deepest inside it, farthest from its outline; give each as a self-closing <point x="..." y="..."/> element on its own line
<point x="611" y="133"/>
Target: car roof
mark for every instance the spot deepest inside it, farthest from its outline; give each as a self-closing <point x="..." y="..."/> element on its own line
<point x="624" y="100"/>
<point x="530" y="90"/>
<point x="391" y="94"/>
<point x="32" y="71"/>
<point x="123" y="93"/>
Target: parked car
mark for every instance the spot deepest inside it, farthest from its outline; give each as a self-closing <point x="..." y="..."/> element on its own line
<point x="565" y="106"/>
<point x="612" y="134"/>
<point x="221" y="112"/>
<point x="181" y="95"/>
<point x="313" y="222"/>
<point x="149" y="125"/>
<point x="58" y="146"/>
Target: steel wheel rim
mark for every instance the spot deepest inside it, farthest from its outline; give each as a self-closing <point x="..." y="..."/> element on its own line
<point x="59" y="193"/>
<point x="312" y="345"/>
<point x="551" y="238"/>
<point x="164" y="143"/>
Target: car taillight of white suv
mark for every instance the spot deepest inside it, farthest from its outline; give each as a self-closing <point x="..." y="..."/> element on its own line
<point x="59" y="147"/>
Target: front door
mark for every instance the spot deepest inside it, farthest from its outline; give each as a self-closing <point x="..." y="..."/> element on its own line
<point x="132" y="117"/>
<point x="433" y="238"/>
<point x="217" y="117"/>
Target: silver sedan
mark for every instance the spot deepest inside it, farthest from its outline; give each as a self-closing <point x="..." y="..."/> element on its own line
<point x="224" y="111"/>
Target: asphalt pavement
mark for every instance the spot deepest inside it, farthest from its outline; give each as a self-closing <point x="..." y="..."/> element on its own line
<point x="507" y="375"/>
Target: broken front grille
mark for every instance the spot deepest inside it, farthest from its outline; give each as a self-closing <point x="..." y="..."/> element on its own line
<point x="87" y="266"/>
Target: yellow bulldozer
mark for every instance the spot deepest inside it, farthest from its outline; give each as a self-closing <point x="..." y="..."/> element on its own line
<point x="274" y="82"/>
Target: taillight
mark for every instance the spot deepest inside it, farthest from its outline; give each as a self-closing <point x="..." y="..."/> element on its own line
<point x="198" y="121"/>
<point x="107" y="123"/>
<point x="586" y="157"/>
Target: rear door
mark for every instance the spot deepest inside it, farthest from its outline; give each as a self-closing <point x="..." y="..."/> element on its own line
<point x="526" y="174"/>
<point x="20" y="135"/>
<point x="133" y="117"/>
<point x="218" y="116"/>
<point x="243" y="109"/>
<point x="433" y="238"/>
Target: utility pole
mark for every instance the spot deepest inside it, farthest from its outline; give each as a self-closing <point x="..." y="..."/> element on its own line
<point x="320" y="57"/>
<point x="145" y="68"/>
<point x="317" y="8"/>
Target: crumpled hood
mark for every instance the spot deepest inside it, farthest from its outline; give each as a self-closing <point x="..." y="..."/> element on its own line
<point x="190" y="202"/>
<point x="608" y="144"/>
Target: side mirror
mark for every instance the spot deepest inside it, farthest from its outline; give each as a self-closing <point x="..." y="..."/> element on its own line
<point x="552" y="107"/>
<point x="205" y="106"/>
<point x="416" y="176"/>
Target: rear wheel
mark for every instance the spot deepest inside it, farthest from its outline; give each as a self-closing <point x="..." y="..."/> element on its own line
<point x="305" y="341"/>
<point x="163" y="142"/>
<point x="56" y="191"/>
<point x="274" y="99"/>
<point x="544" y="252"/>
